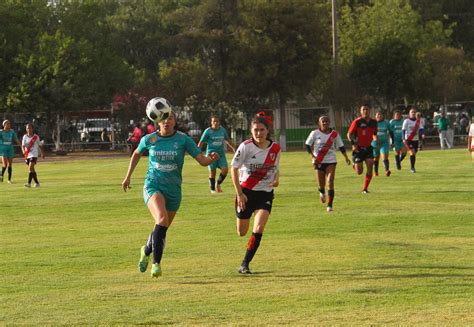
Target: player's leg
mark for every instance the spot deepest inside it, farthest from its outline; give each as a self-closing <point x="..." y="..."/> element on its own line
<point x="261" y="218"/>
<point x="358" y="163"/>
<point x="321" y="175"/>
<point x="10" y="168"/>
<point x="376" y="154"/>
<point x="212" y="178"/>
<point x="331" y="173"/>
<point x="369" y="162"/>
<point x="222" y="176"/>
<point x="384" y="151"/>
<point x="413" y="150"/>
<point x="4" y="167"/>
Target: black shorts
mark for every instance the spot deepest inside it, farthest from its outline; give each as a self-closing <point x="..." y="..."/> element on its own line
<point x="255" y="200"/>
<point x="413" y="145"/>
<point x="33" y="160"/>
<point x="362" y="154"/>
<point x="323" y="166"/>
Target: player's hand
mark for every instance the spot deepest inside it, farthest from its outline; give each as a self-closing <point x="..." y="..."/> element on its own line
<point x="241" y="201"/>
<point x="354" y="148"/>
<point x="126" y="184"/>
<point x="275" y="183"/>
<point x="214" y="156"/>
<point x="348" y="162"/>
<point x="315" y="162"/>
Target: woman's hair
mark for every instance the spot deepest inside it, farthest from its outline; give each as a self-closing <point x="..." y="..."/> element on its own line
<point x="320" y="119"/>
<point x="5" y="122"/>
<point x="29" y="124"/>
<point x="260" y="120"/>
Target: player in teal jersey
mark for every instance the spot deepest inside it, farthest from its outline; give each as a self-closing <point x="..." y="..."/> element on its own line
<point x="216" y="137"/>
<point x="8" y="138"/>
<point x="162" y="189"/>
<point x="397" y="139"/>
<point x="382" y="147"/>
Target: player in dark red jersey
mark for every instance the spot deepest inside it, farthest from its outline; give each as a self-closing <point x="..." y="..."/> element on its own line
<point x="361" y="133"/>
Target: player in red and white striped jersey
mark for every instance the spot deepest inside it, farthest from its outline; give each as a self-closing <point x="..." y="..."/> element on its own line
<point x="255" y="174"/>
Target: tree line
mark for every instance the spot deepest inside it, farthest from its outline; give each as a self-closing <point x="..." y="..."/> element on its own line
<point x="230" y="56"/>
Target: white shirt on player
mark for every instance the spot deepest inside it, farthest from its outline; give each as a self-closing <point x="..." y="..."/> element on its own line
<point x="34" y="151"/>
<point x="408" y="126"/>
<point x="318" y="139"/>
<point x="471" y="133"/>
<point x="255" y="163"/>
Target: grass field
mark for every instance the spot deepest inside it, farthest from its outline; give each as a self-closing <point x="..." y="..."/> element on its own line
<point x="403" y="254"/>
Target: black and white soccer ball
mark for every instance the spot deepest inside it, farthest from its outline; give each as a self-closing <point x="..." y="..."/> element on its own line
<point x="158" y="109"/>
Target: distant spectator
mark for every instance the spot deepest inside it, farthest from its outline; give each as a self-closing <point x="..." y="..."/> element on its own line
<point x="421" y="135"/>
<point x="464" y="123"/>
<point x="443" y="126"/>
<point x="150" y="127"/>
<point x="135" y="138"/>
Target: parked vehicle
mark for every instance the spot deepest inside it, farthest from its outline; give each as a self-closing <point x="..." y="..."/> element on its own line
<point x="96" y="130"/>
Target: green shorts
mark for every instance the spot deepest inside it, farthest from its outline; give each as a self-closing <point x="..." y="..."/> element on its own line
<point x="383" y="148"/>
<point x="172" y="195"/>
<point x="221" y="163"/>
<point x="398" y="145"/>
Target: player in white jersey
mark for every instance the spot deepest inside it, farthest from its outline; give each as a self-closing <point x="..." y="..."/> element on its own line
<point x="412" y="129"/>
<point x="31" y="147"/>
<point x="255" y="174"/>
<point x="470" y="139"/>
<point x="322" y="144"/>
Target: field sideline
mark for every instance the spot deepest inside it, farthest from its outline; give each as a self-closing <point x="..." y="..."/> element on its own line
<point x="403" y="254"/>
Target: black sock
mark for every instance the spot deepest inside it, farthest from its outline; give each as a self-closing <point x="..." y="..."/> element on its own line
<point x="252" y="247"/>
<point x="386" y="164"/>
<point x="221" y="178"/>
<point x="158" y="242"/>
<point x="412" y="161"/>
<point x="376" y="166"/>
<point x="397" y="160"/>
<point x="212" y="184"/>
<point x="9" y="173"/>
<point x="3" y="170"/>
<point x="402" y="156"/>
<point x="330" y="197"/>
<point x="149" y="245"/>
<point x="321" y="190"/>
<point x="30" y="177"/>
<point x="35" y="177"/>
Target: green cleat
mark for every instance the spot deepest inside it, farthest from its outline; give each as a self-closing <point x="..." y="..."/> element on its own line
<point x="143" y="263"/>
<point x="156" y="270"/>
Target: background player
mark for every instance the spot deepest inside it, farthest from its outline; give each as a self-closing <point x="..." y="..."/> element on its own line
<point x="9" y="137"/>
<point x="215" y="137"/>
<point x="411" y="131"/>
<point x="162" y="189"/>
<point x="322" y="144"/>
<point x="255" y="174"/>
<point x="361" y="133"/>
<point x="381" y="149"/>
<point x="31" y="147"/>
<point x="397" y="138"/>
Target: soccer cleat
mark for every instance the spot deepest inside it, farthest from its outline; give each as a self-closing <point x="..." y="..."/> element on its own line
<point x="28" y="185"/>
<point x="218" y="188"/>
<point x="37" y="185"/>
<point x="143" y="263"/>
<point x="388" y="173"/>
<point x="329" y="209"/>
<point x="212" y="191"/>
<point x="9" y="181"/>
<point x="413" y="170"/>
<point x="376" y="173"/>
<point x="365" y="191"/>
<point x="322" y="197"/>
<point x="155" y="270"/>
<point x="244" y="269"/>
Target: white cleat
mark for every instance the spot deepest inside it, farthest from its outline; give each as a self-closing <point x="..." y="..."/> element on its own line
<point x="329" y="209"/>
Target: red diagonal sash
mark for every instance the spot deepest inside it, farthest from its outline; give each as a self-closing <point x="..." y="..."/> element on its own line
<point x="325" y="148"/>
<point x="30" y="145"/>
<point x="261" y="173"/>
<point x="414" y="131"/>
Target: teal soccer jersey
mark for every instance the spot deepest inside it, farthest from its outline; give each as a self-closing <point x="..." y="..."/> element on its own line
<point x="215" y="139"/>
<point x="383" y="128"/>
<point x="1" y="143"/>
<point x="396" y="128"/>
<point x="8" y="138"/>
<point x="166" y="158"/>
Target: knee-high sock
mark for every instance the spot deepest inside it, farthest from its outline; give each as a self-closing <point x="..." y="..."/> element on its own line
<point x="30" y="177"/>
<point x="402" y="156"/>
<point x="321" y="190"/>
<point x="386" y="164"/>
<point x="212" y="184"/>
<point x="158" y="242"/>
<point x="330" y="197"/>
<point x="35" y="177"/>
<point x="221" y="178"/>
<point x="252" y="247"/>
<point x="397" y="160"/>
<point x="376" y="166"/>
<point x="367" y="181"/>
<point x="9" y="173"/>
<point x="412" y="161"/>
<point x="3" y="170"/>
<point x="149" y="245"/>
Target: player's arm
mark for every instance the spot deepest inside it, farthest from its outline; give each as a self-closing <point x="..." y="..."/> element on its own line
<point x="131" y="167"/>
<point x="241" y="198"/>
<point x="276" y="181"/>
<point x="469" y="140"/>
<point x="230" y="144"/>
<point x="207" y="160"/>
<point x="350" y="135"/>
<point x="41" y="149"/>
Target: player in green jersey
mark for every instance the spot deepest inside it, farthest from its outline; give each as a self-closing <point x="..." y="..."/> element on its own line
<point x="382" y="147"/>
<point x="397" y="140"/>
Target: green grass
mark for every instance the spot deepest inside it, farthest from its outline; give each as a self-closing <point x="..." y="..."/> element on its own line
<point x="403" y="254"/>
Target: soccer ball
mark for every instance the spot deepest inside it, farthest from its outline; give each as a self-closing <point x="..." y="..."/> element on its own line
<point x="158" y="109"/>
